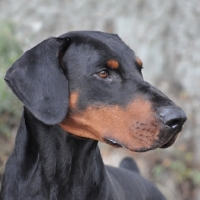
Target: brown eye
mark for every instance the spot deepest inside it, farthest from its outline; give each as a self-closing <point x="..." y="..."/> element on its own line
<point x="103" y="74"/>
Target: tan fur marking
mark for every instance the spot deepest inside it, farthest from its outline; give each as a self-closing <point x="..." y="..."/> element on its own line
<point x="73" y="100"/>
<point x="112" y="64"/>
<point x="139" y="62"/>
<point x="133" y="127"/>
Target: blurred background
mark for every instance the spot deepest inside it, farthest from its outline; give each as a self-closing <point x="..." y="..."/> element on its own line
<point x="164" y="34"/>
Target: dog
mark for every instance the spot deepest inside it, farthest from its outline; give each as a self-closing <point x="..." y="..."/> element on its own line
<point x="78" y="89"/>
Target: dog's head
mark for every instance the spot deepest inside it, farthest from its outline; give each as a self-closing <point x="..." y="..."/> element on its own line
<point x="90" y="83"/>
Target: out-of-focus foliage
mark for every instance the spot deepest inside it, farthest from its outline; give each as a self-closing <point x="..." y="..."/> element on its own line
<point x="179" y="164"/>
<point x="9" y="105"/>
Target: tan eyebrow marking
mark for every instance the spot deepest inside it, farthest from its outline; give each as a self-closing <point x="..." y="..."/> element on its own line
<point x="139" y="62"/>
<point x="112" y="64"/>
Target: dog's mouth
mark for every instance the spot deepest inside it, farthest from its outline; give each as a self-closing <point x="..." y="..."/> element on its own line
<point x="113" y="143"/>
<point x="167" y="143"/>
<point x="172" y="139"/>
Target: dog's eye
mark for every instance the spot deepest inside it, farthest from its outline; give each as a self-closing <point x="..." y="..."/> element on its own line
<point x="103" y="74"/>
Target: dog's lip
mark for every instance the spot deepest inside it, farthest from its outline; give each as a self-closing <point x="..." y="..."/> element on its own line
<point x="113" y="143"/>
<point x="173" y="139"/>
<point x="168" y="142"/>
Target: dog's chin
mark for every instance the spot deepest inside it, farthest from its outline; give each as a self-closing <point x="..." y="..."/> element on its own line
<point x="163" y="144"/>
<point x="171" y="141"/>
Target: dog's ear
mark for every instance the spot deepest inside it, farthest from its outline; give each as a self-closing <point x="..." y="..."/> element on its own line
<point x="37" y="80"/>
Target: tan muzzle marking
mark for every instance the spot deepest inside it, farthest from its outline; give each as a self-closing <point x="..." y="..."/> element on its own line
<point x="133" y="126"/>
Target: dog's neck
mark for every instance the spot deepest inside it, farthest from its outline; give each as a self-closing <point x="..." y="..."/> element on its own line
<point x="54" y="164"/>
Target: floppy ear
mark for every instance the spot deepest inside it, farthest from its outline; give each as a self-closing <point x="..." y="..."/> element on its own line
<point x="37" y="80"/>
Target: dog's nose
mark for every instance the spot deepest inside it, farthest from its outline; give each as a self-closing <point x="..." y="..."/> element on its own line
<point x="173" y="117"/>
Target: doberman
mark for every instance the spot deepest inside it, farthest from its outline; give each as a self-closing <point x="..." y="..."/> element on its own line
<point x="78" y="89"/>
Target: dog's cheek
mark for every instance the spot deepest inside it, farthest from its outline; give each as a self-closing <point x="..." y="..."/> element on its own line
<point x="136" y="127"/>
<point x="133" y="127"/>
<point x="137" y="136"/>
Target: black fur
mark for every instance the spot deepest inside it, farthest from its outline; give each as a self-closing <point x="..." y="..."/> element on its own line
<point x="48" y="163"/>
<point x="130" y="164"/>
<point x="44" y="91"/>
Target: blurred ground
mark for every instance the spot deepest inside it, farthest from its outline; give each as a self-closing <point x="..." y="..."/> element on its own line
<point x="164" y="34"/>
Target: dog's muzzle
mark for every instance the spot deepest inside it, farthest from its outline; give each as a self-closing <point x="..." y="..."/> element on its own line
<point x="173" y="118"/>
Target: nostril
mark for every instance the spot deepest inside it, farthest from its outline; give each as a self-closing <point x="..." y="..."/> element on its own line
<point x="172" y="116"/>
<point x="174" y="123"/>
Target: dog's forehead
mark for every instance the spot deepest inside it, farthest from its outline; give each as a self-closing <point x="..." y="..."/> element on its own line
<point x="102" y="46"/>
<point x="100" y="41"/>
